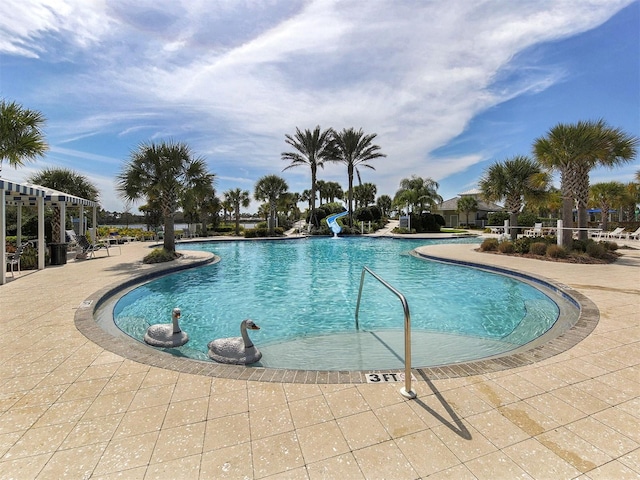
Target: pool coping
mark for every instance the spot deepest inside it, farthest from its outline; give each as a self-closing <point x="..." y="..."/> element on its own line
<point x="132" y="349"/>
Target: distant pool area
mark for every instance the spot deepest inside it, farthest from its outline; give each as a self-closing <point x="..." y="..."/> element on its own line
<point x="303" y="293"/>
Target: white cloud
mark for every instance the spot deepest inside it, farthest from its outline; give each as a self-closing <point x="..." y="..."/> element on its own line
<point x="234" y="77"/>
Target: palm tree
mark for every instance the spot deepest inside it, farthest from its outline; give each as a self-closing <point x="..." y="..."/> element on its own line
<point x="227" y="207"/>
<point x="364" y="194"/>
<point x="607" y="195"/>
<point x="384" y="203"/>
<point x="67" y="181"/>
<point x="333" y="190"/>
<point x="515" y="180"/>
<point x="355" y="150"/>
<point x="418" y="193"/>
<point x="312" y="149"/>
<point x="162" y="173"/>
<point x="21" y="136"/>
<point x="574" y="150"/>
<point x="269" y="188"/>
<point x="467" y="204"/>
<point x="321" y="186"/>
<point x="238" y="198"/>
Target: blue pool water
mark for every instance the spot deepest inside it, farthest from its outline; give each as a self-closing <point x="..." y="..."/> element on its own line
<point x="303" y="294"/>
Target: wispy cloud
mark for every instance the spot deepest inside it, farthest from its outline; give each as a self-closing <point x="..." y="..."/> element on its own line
<point x="234" y="77"/>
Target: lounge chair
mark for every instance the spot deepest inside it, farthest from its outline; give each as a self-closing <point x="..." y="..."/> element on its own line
<point x="86" y="249"/>
<point x="536" y="231"/>
<point x="13" y="259"/>
<point x="617" y="233"/>
<point x="634" y="235"/>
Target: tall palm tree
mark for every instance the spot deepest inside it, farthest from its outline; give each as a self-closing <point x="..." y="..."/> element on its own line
<point x="312" y="149"/>
<point x="162" y="173"/>
<point x="321" y="186"/>
<point x="21" y="136"/>
<point x="238" y="198"/>
<point x="419" y="193"/>
<point x="576" y="149"/>
<point x="607" y="195"/>
<point x="355" y="150"/>
<point x="67" y="181"/>
<point x="514" y="180"/>
<point x="269" y="188"/>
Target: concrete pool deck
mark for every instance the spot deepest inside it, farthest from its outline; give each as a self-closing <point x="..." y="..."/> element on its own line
<point x="69" y="407"/>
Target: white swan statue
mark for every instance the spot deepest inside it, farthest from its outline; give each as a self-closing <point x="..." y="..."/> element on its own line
<point x="236" y="350"/>
<point x="167" y="335"/>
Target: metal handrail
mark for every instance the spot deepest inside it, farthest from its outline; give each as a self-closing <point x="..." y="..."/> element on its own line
<point x="406" y="390"/>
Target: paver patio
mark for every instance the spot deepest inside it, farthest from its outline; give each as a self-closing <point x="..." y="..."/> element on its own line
<point x="72" y="409"/>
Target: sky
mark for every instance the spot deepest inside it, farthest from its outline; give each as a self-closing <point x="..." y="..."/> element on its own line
<point x="449" y="87"/>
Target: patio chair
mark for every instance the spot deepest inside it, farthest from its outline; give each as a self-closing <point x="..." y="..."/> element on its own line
<point x="634" y="235"/>
<point x="88" y="249"/>
<point x="13" y="259"/>
<point x="617" y="233"/>
<point x="536" y="231"/>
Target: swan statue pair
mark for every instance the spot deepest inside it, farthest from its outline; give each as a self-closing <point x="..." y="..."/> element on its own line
<point x="167" y="335"/>
<point x="236" y="350"/>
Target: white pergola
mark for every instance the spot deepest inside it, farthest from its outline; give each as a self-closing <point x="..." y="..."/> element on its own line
<point x="26" y="194"/>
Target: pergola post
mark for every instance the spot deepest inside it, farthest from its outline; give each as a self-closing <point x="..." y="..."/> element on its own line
<point x="41" y="236"/>
<point x="3" y="235"/>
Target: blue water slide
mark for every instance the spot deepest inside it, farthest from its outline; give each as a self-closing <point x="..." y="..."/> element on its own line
<point x="333" y="223"/>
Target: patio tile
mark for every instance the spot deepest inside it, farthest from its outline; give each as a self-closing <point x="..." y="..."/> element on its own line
<point x="275" y="454"/>
<point x="227" y="431"/>
<point x="321" y="441"/>
<point x="498" y="429"/>
<point x="185" y="468"/>
<point x="573" y="449"/>
<point x="362" y="430"/>
<point x="179" y="442"/>
<point x="228" y="463"/>
<point x="126" y="453"/>
<point x="426" y="452"/>
<point x="25" y="467"/>
<point x="310" y="411"/>
<point x="496" y="465"/>
<point x="76" y="462"/>
<point x="540" y="462"/>
<point x="384" y="460"/>
<point x="466" y="444"/>
<point x="186" y="412"/>
<point x="340" y="466"/>
<point x="266" y="422"/>
<point x="139" y="421"/>
<point x="603" y="437"/>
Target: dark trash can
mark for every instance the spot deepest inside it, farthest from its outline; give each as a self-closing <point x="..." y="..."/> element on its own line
<point x="58" y="253"/>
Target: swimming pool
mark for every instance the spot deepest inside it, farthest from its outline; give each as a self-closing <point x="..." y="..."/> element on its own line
<point x="303" y="294"/>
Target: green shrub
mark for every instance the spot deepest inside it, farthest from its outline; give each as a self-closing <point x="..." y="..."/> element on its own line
<point x="489" y="245"/>
<point x="506" y="247"/>
<point x="497" y="218"/>
<point x="613" y="246"/>
<point x="160" y="255"/>
<point x="596" y="250"/>
<point x="538" y="248"/>
<point x="250" y="233"/>
<point x="527" y="219"/>
<point x="226" y="228"/>
<point x="556" y="251"/>
<point x="522" y="245"/>
<point x="579" y="246"/>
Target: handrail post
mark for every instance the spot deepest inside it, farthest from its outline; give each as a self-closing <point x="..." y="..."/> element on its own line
<point x="406" y="391"/>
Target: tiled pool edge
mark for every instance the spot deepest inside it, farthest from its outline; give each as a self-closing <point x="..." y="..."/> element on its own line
<point x="135" y="351"/>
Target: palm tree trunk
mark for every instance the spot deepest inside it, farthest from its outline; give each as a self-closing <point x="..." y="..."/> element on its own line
<point x="350" y="195"/>
<point x="313" y="218"/>
<point x="272" y="214"/>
